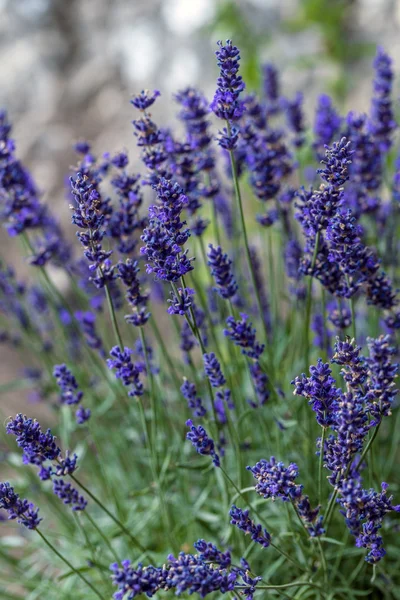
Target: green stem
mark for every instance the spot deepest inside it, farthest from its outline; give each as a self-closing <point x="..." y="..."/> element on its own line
<point x="165" y="353"/>
<point x="321" y="465"/>
<point x="195" y="330"/>
<point x="105" y="509"/>
<point x="69" y="565"/>
<point x="101" y="534"/>
<point x="368" y="446"/>
<point x="245" y="239"/>
<point x="323" y="561"/>
<point x="329" y="510"/>
<point x="287" y="585"/>
<point x="300" y="520"/>
<point x="309" y="303"/>
<point x="152" y="394"/>
<point x="153" y="435"/>
<point x="113" y="318"/>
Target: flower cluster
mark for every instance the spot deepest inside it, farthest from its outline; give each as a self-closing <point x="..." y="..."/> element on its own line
<point x="364" y="511"/>
<point x="327" y="123"/>
<point x="87" y="323"/>
<point x="241" y="519"/>
<point x="89" y="214"/>
<point x="203" y="444"/>
<point x="221" y="269"/>
<point x="41" y="449"/>
<point x="243" y="335"/>
<point x="274" y="480"/>
<point x="25" y="512"/>
<point x="382" y="373"/>
<point x="125" y="369"/>
<point x="166" y="234"/>
<point x="128" y="272"/>
<point x="226" y="103"/>
<point x="125" y="220"/>
<point x="204" y="573"/>
<point x="320" y="391"/>
<point x="382" y="122"/>
<point x="70" y="392"/>
<point x="213" y="370"/>
<point x="21" y="209"/>
<point x="195" y="403"/>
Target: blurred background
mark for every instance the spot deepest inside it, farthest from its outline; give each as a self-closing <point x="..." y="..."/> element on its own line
<point x="69" y="67"/>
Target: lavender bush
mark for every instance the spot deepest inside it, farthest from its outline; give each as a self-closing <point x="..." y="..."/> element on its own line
<point x="253" y="258"/>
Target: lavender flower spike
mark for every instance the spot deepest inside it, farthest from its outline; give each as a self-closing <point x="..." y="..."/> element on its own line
<point x="213" y="370"/>
<point x="226" y="104"/>
<point x="241" y="519"/>
<point x="221" y="269"/>
<point x="200" y="440"/>
<point x="275" y="480"/>
<point x="242" y="334"/>
<point x="22" y="510"/>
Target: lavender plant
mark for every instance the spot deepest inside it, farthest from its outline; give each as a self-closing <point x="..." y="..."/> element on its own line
<point x="178" y="461"/>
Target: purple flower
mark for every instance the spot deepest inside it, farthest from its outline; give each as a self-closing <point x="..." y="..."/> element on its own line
<point x="70" y="393"/>
<point x="125" y="219"/>
<point x="37" y="446"/>
<point x="180" y="303"/>
<point x="226" y="104"/>
<point x="347" y="355"/>
<point x="345" y="248"/>
<point x="240" y="518"/>
<point x="125" y="370"/>
<point x="221" y="269"/>
<point x="382" y="122"/>
<point x="208" y="552"/>
<point x="327" y="123"/>
<point x="200" y="440"/>
<point x="337" y="160"/>
<point x="134" y="582"/>
<point x="271" y="88"/>
<point x="268" y="218"/>
<point x="350" y="427"/>
<point x="82" y="415"/>
<point x="382" y="373"/>
<point x="194" y="115"/>
<point x="166" y="234"/>
<point x="20" y="207"/>
<point x="268" y="160"/>
<point x="189" y="573"/>
<point x="90" y="213"/>
<point x="261" y="382"/>
<point x="320" y="391"/>
<point x="150" y="139"/>
<point x="228" y="139"/>
<point x="318" y="207"/>
<point x="242" y="334"/>
<point x="189" y="392"/>
<point x="339" y="316"/>
<point x="87" y="322"/>
<point x="274" y="480"/>
<point x="364" y="511"/>
<point x="366" y="168"/>
<point x="310" y="516"/>
<point x="128" y="272"/>
<point x="69" y="495"/>
<point x="144" y="99"/>
<point x="295" y="118"/>
<point x="67" y="465"/>
<point x="25" y="512"/>
<point x="213" y="370"/>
